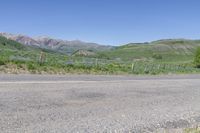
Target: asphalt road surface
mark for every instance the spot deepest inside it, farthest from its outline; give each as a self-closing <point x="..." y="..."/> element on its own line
<point x="90" y="104"/>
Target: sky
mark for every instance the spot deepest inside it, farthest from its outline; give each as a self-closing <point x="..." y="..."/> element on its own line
<point x="109" y="22"/>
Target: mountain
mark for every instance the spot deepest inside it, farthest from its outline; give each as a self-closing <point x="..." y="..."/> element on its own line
<point x="162" y="56"/>
<point x="86" y="53"/>
<point x="63" y="46"/>
<point x="13" y="51"/>
<point x="10" y="48"/>
<point x="166" y="50"/>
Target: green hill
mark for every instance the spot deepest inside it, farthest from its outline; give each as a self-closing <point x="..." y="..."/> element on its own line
<point x="14" y="55"/>
<point x="163" y="56"/>
<point x="170" y="50"/>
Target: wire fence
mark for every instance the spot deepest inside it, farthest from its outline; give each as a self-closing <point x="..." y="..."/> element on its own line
<point x="137" y="67"/>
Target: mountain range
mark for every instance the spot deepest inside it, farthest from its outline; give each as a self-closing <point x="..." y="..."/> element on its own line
<point x="63" y="46"/>
<point x="166" y="50"/>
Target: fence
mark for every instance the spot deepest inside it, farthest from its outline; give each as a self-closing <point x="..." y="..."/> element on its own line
<point x="138" y="67"/>
<point x="114" y="66"/>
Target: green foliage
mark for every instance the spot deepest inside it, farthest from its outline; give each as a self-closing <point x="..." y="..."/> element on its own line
<point x="6" y="43"/>
<point x="157" y="56"/>
<point x="2" y="63"/>
<point x="31" y="66"/>
<point x="197" y="58"/>
<point x="171" y="50"/>
<point x="102" y="56"/>
<point x="117" y="61"/>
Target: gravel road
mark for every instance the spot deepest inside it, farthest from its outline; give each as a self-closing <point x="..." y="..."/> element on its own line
<point x="90" y="104"/>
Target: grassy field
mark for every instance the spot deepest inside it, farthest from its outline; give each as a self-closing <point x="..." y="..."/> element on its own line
<point x="168" y="51"/>
<point x="161" y="57"/>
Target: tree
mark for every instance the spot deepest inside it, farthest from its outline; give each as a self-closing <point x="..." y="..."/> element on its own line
<point x="157" y="56"/>
<point x="197" y="58"/>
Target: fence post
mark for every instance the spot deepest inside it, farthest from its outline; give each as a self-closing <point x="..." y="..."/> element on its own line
<point x="132" y="67"/>
<point x="145" y="69"/>
<point x="158" y="66"/>
<point x="164" y="66"/>
<point x="42" y="58"/>
<point x="152" y="68"/>
<point x="96" y="62"/>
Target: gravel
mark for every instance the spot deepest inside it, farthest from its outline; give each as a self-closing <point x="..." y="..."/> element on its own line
<point x="85" y="104"/>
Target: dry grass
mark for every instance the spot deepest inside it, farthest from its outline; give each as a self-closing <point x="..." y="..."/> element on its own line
<point x="192" y="130"/>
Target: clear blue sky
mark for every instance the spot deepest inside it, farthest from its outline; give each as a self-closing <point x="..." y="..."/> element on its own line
<point x="112" y="22"/>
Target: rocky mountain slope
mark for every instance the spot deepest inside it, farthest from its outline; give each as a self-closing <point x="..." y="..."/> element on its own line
<point x="168" y="50"/>
<point x="63" y="46"/>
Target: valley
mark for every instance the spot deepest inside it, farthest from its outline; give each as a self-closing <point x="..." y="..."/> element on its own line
<point x="22" y="54"/>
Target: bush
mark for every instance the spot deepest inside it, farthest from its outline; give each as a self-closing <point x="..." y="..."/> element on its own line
<point x="31" y="66"/>
<point x="2" y="63"/>
<point x="157" y="56"/>
<point x="197" y="58"/>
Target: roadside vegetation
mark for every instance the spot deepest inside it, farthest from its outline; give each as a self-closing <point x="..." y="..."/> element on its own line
<point x="192" y="130"/>
<point x="156" y="58"/>
<point x="197" y="58"/>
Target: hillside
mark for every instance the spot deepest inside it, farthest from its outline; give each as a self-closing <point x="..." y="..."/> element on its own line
<point x="14" y="55"/>
<point x="170" y="50"/>
<point x="163" y="56"/>
<point x="84" y="53"/>
<point x="10" y="49"/>
<point x="63" y="46"/>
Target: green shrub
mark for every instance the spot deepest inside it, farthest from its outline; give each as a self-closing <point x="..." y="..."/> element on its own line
<point x="197" y="58"/>
<point x="2" y="63"/>
<point x="157" y="56"/>
<point x="31" y="66"/>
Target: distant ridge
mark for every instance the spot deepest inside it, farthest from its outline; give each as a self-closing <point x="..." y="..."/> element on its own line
<point x="60" y="45"/>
